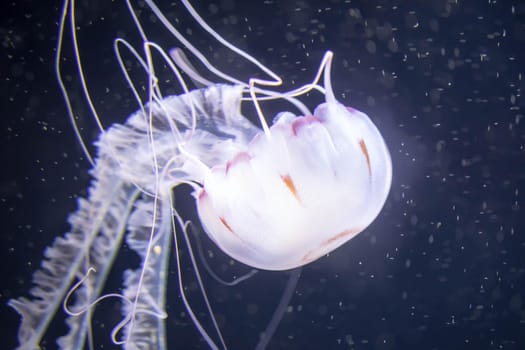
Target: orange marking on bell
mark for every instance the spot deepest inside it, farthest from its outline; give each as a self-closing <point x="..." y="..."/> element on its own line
<point x="314" y="254"/>
<point x="308" y="257"/>
<point x="225" y="223"/>
<point x="367" y="156"/>
<point x="202" y="194"/>
<point x="340" y="235"/>
<point x="287" y="179"/>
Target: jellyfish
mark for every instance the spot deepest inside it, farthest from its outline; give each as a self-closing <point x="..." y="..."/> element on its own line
<point x="273" y="197"/>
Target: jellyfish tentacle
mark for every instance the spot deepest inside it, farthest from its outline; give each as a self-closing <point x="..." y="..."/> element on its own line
<point x="169" y="26"/>
<point x="275" y="78"/>
<point x="232" y="283"/>
<point x="326" y="68"/>
<point x="280" y="310"/>
<point x="68" y="9"/>
<point x="196" y="322"/>
<point x="181" y="60"/>
<point x="87" y="307"/>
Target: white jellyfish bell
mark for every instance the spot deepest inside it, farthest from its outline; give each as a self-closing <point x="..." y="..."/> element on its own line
<point x="299" y="191"/>
<point x="272" y="197"/>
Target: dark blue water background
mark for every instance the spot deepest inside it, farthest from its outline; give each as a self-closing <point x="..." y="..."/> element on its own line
<point x="443" y="265"/>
